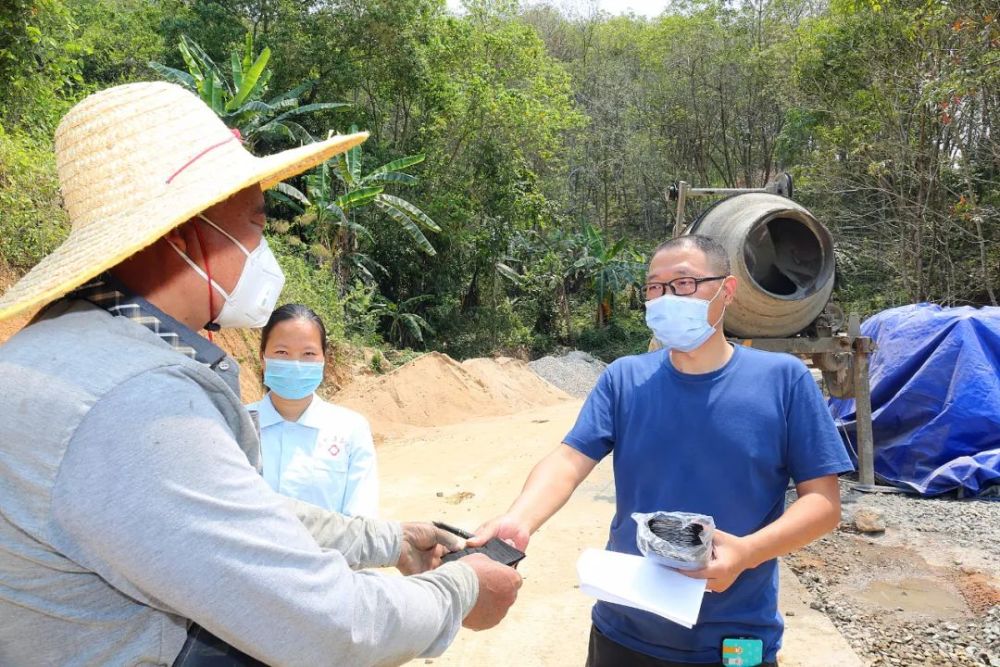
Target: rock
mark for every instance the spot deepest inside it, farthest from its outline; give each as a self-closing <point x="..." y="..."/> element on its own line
<point x="868" y="520"/>
<point x="789" y="613"/>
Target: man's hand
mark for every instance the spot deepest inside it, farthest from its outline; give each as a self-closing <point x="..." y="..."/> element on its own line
<point x="498" y="586"/>
<point x="730" y="557"/>
<point x="507" y="528"/>
<point x="423" y="546"/>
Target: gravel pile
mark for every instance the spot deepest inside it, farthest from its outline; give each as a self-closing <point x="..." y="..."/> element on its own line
<point x="970" y="523"/>
<point x="884" y="642"/>
<point x="575" y="372"/>
<point x="888" y="638"/>
<point x="843" y="568"/>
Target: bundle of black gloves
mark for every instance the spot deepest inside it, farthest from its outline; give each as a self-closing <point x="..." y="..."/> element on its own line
<point x="680" y="540"/>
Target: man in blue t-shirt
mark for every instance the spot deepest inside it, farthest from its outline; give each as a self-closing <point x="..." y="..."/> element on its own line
<point x="698" y="426"/>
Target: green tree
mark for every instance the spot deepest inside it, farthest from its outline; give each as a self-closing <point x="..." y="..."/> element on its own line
<point x="898" y="109"/>
<point x="39" y="68"/>
<point x="118" y="38"/>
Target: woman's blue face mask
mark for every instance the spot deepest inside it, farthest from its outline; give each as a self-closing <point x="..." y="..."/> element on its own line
<point x="292" y="379"/>
<point x="681" y="322"/>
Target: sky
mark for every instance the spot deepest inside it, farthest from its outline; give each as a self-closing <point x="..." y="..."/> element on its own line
<point x="641" y="7"/>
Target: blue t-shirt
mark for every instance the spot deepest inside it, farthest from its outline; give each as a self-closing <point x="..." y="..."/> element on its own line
<point x="723" y="443"/>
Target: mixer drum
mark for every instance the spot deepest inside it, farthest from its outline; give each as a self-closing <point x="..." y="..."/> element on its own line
<point x="782" y="257"/>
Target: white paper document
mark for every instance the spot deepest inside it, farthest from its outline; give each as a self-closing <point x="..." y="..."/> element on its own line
<point x="641" y="583"/>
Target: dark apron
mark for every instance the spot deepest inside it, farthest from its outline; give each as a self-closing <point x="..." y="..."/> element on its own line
<point x="203" y="649"/>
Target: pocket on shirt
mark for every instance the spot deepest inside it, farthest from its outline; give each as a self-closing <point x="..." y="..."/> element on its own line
<point x="332" y="465"/>
<point x="319" y="481"/>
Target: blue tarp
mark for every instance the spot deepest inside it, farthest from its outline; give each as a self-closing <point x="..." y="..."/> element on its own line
<point x="935" y="379"/>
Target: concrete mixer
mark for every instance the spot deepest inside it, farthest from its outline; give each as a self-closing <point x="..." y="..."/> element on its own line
<point x="783" y="259"/>
<point x="780" y="253"/>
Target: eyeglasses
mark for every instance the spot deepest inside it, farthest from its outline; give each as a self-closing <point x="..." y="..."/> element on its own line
<point x="678" y="286"/>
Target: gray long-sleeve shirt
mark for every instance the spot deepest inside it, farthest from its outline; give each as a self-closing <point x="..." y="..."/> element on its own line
<point x="128" y="507"/>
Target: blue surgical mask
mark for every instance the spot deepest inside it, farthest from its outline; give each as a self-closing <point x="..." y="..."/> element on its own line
<point x="681" y="322"/>
<point x="292" y="379"/>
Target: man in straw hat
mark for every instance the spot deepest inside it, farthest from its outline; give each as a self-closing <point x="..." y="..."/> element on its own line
<point x="134" y="527"/>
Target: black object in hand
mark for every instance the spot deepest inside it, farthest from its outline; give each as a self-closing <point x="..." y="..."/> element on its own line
<point x="677" y="532"/>
<point x="495" y="548"/>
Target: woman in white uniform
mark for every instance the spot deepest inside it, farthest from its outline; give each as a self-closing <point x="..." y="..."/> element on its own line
<point x="312" y="450"/>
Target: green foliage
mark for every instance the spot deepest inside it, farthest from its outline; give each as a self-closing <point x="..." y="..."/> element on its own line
<point x="39" y="71"/>
<point x="361" y="313"/>
<point x="237" y="97"/>
<point x="304" y="283"/>
<point x="118" y="38"/>
<point x="326" y="211"/>
<point x="611" y="268"/>
<point x="404" y="328"/>
<point x="378" y="363"/>
<point x="32" y="222"/>
<point x="486" y="330"/>
<point x="895" y="150"/>
<point x="626" y="334"/>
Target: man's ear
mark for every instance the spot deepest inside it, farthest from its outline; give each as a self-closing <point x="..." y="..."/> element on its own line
<point x="177" y="237"/>
<point x="729" y="288"/>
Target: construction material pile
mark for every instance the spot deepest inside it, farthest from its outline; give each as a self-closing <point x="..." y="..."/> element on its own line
<point x="435" y="390"/>
<point x="575" y="372"/>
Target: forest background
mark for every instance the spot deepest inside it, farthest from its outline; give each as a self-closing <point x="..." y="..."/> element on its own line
<point x="520" y="153"/>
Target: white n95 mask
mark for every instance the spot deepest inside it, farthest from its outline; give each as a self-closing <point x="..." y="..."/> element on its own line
<point x="250" y="303"/>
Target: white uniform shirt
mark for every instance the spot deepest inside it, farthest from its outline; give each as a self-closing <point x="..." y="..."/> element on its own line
<point x="326" y="458"/>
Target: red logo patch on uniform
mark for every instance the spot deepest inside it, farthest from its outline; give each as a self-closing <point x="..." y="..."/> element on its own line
<point x="333" y="449"/>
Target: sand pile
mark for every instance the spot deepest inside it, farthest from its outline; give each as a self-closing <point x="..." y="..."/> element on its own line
<point x="434" y="389"/>
<point x="513" y="383"/>
<point x="243" y="345"/>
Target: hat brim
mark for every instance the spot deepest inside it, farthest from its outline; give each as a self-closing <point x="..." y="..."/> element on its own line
<point x="90" y="251"/>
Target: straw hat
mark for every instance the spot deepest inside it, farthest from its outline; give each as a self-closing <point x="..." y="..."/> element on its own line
<point x="134" y="162"/>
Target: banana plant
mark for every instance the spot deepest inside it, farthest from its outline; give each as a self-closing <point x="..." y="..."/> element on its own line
<point x="365" y="189"/>
<point x="239" y="98"/>
<point x="610" y="268"/>
<point x="405" y="326"/>
<point x="331" y="205"/>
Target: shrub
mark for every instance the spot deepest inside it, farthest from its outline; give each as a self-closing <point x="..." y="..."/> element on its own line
<point x="32" y="221"/>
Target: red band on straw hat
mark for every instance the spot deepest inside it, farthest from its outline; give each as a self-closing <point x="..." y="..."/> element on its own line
<point x="236" y="135"/>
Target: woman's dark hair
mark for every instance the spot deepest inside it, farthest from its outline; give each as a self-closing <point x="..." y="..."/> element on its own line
<point x="292" y="311"/>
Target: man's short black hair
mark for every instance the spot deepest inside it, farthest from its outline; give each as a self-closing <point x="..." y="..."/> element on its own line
<point x="717" y="256"/>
